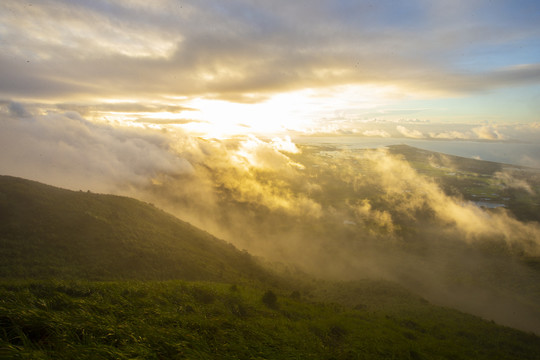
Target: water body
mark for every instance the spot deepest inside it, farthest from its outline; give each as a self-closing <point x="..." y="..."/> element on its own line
<point x="525" y="154"/>
<point x="488" y="205"/>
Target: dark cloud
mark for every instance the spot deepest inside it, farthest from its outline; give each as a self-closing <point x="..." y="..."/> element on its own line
<point x="168" y="121"/>
<point x="124" y="107"/>
<point x="17" y="110"/>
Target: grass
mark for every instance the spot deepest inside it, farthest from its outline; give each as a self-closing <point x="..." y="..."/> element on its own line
<point x="47" y="232"/>
<point x="188" y="320"/>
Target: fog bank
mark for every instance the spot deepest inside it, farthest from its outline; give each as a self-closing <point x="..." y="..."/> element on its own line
<point x="333" y="212"/>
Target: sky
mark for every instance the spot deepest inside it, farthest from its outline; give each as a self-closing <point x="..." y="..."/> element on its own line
<point x="219" y="68"/>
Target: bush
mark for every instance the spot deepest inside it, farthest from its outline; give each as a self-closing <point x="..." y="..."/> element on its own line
<point x="270" y="299"/>
<point x="295" y="295"/>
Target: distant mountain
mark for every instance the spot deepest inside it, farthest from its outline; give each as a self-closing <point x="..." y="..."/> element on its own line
<point x="413" y="154"/>
<point x="47" y="232"/>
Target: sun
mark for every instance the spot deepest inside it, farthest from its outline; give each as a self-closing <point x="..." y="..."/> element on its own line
<point x="279" y="114"/>
<point x="299" y="112"/>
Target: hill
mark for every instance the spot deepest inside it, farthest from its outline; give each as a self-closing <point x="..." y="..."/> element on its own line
<point x="93" y="276"/>
<point x="47" y="232"/>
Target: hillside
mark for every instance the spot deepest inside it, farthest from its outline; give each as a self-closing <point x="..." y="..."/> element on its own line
<point x="47" y="232"/>
<point x="93" y="276"/>
<point x="179" y="320"/>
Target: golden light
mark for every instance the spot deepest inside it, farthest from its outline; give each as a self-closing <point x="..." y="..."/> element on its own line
<point x="301" y="111"/>
<point x="293" y="111"/>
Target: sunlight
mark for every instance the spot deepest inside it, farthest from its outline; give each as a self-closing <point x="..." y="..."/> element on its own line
<point x="223" y="118"/>
<point x="307" y="111"/>
<point x="297" y="111"/>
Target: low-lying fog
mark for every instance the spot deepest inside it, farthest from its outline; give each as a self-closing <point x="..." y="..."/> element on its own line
<point x="337" y="212"/>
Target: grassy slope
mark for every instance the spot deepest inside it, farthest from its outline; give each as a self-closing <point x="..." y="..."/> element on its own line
<point x="46" y="232"/>
<point x="67" y="240"/>
<point x="176" y="320"/>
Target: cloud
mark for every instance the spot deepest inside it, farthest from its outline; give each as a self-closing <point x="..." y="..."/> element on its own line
<point x="285" y="144"/>
<point x="86" y="50"/>
<point x="415" y="134"/>
<point x="123" y="107"/>
<point x="521" y="132"/>
<point x="495" y="132"/>
<point x="168" y="121"/>
<point x="411" y="195"/>
<point x="376" y="133"/>
<point x="17" y="109"/>
<point x="380" y="218"/>
<point x="488" y="133"/>
<point x="530" y="161"/>
<point x="69" y="151"/>
<point x="508" y="179"/>
<point x="450" y="135"/>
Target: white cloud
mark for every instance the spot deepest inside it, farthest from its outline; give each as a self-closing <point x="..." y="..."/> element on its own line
<point x="376" y="133"/>
<point x="488" y="132"/>
<point x="494" y="132"/>
<point x="415" y="134"/>
<point x="66" y="150"/>
<point x="450" y="135"/>
<point x="285" y="144"/>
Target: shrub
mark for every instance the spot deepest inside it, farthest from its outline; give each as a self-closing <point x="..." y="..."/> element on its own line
<point x="270" y="299"/>
<point x="295" y="295"/>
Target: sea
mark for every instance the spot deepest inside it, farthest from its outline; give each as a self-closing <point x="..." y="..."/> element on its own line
<point x="514" y="153"/>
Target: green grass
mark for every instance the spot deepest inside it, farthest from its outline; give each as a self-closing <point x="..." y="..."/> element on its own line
<point x="193" y="320"/>
<point x="47" y="232"/>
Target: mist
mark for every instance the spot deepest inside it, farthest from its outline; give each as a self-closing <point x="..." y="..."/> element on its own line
<point x="333" y="213"/>
<point x="67" y="150"/>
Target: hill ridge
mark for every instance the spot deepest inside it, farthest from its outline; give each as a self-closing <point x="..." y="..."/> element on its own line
<point x="49" y="232"/>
